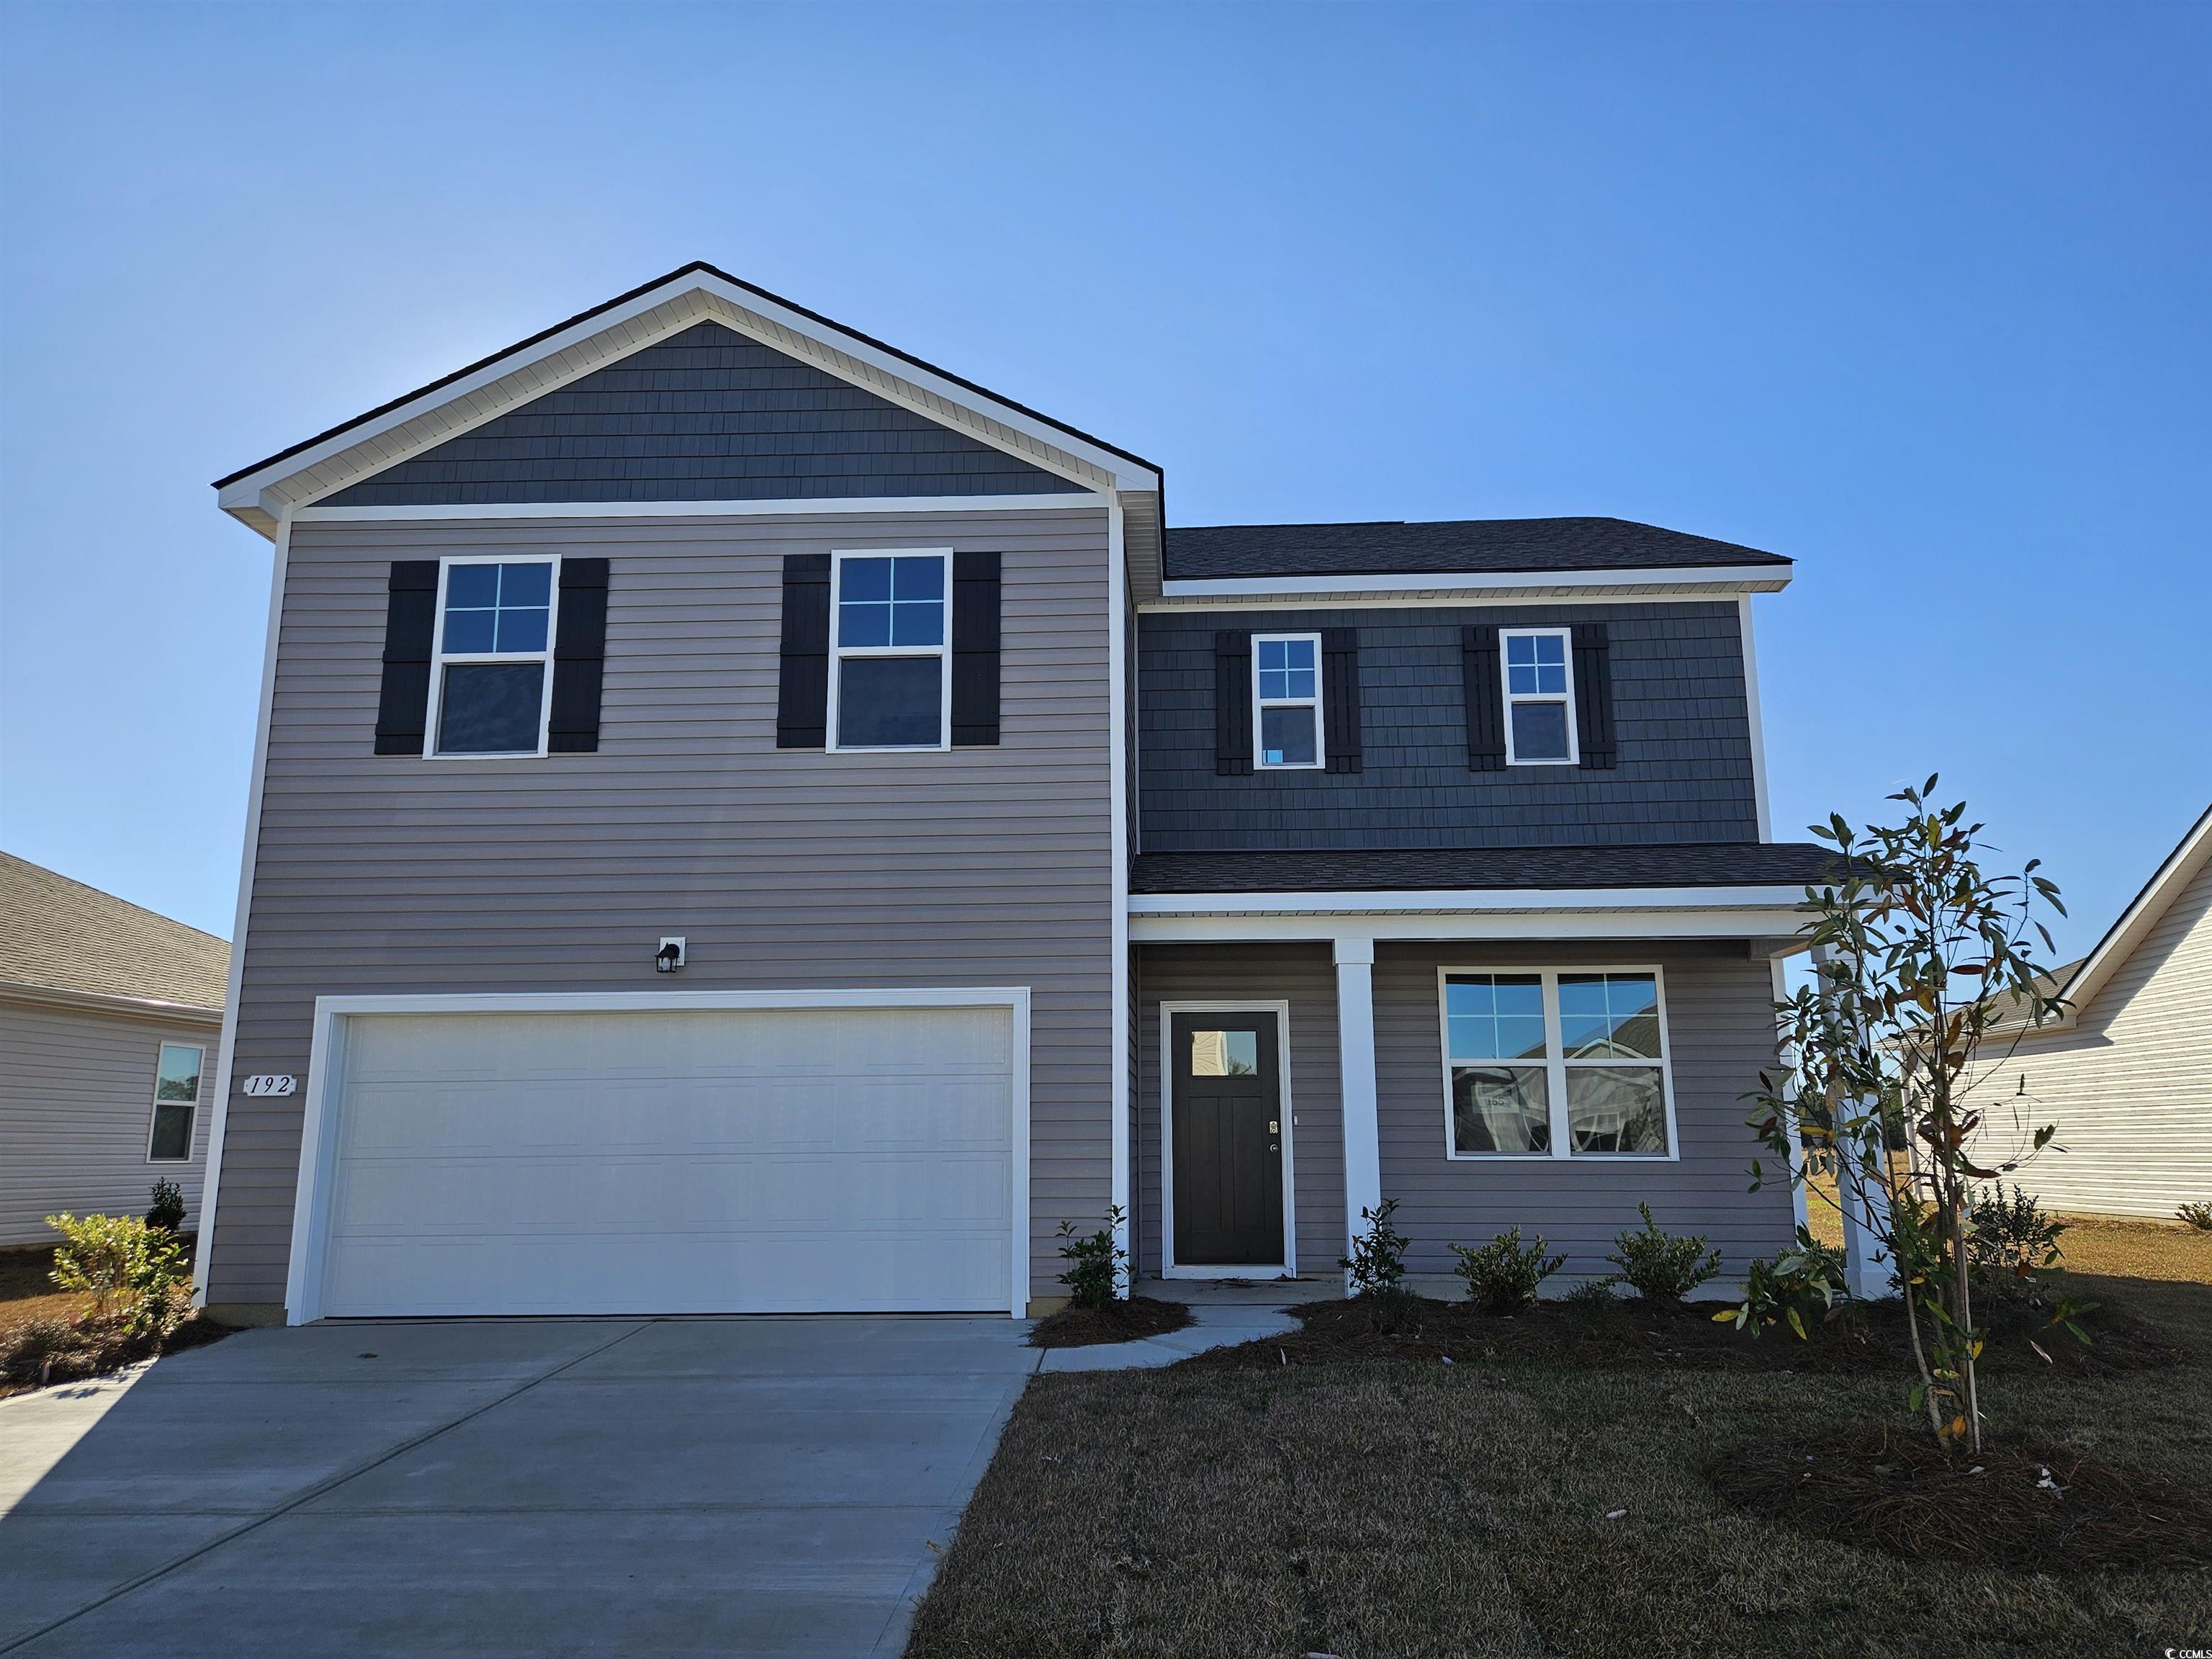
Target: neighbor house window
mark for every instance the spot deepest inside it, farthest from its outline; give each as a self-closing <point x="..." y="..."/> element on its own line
<point x="492" y="681"/>
<point x="1540" y="699"/>
<point x="1570" y="1063"/>
<point x="890" y="675"/>
<point x="1286" y="698"/>
<point x="176" y="1097"/>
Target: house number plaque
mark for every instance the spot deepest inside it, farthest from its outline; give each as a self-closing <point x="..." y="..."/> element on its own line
<point x="271" y="1084"/>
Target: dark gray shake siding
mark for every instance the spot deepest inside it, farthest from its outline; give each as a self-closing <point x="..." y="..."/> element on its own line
<point x="783" y="869"/>
<point x="1685" y="771"/>
<point x="1304" y="976"/>
<point x="1721" y="1031"/>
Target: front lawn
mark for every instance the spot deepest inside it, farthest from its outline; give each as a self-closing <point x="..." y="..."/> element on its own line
<point x="1320" y="1496"/>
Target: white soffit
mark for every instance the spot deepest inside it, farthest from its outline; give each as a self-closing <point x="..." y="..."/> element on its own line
<point x="423" y="421"/>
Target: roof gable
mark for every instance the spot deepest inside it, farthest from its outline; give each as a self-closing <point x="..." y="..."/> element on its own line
<point x="703" y="414"/>
<point x="60" y="935"/>
<point x="320" y="467"/>
<point x="2137" y="921"/>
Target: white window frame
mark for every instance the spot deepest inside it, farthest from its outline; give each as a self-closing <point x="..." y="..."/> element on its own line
<point x="1556" y="1064"/>
<point x="1566" y="699"/>
<point x="199" y="1089"/>
<point x="839" y="652"/>
<point x="440" y="659"/>
<point x="1260" y="705"/>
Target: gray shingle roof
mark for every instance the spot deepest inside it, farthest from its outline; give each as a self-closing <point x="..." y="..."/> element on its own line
<point x="1393" y="548"/>
<point x="61" y="935"/>
<point x="1705" y="864"/>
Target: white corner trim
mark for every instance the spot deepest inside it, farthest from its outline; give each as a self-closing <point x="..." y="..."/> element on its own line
<point x="808" y="507"/>
<point x="327" y="1078"/>
<point x="249" y="852"/>
<point x="1758" y="725"/>
<point x="1288" y="1267"/>
<point x="1117" y="795"/>
<point x="1459" y="587"/>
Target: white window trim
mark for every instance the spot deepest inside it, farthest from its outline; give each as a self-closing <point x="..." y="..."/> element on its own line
<point x="1260" y="705"/>
<point x="199" y="1090"/>
<point x="839" y="652"/>
<point x="439" y="658"/>
<point x="1556" y="1064"/>
<point x="1565" y="637"/>
<point x="1170" y="1268"/>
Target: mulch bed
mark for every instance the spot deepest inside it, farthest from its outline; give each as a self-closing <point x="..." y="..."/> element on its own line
<point x="2022" y="1508"/>
<point x="88" y="1351"/>
<point x="1628" y="1333"/>
<point x="1126" y="1321"/>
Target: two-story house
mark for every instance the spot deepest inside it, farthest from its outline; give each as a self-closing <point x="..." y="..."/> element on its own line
<point x="743" y="819"/>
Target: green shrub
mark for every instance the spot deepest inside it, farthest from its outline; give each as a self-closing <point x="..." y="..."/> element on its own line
<point x="1794" y="1287"/>
<point x="134" y="1274"/>
<point x="167" y="1212"/>
<point x="1502" y="1275"/>
<point x="1377" y="1262"/>
<point x="2012" y="1243"/>
<point x="1592" y="1295"/>
<point x="2199" y="1216"/>
<point x="1660" y="1266"/>
<point x="1095" y="1262"/>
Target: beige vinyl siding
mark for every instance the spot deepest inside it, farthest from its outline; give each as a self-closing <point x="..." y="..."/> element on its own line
<point x="2131" y="1087"/>
<point x="1304" y="975"/>
<point x="76" y="1106"/>
<point x="1720" y="1031"/>
<point x="782" y="869"/>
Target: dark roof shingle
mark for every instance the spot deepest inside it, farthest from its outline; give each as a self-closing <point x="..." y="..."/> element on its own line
<point x="1476" y="545"/>
<point x="61" y="935"/>
<point x="1703" y="864"/>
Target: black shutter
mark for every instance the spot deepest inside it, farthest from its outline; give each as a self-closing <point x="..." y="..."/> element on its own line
<point x="1340" y="690"/>
<point x="410" y="621"/>
<point x="1486" y="713"/>
<point x="802" y="697"/>
<point x="579" y="651"/>
<point x="975" y="649"/>
<point x="1594" y="696"/>
<point x="1232" y="704"/>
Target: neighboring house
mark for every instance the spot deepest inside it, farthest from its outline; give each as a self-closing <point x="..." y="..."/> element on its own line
<point x="109" y="1017"/>
<point x="744" y="820"/>
<point x="2125" y="1069"/>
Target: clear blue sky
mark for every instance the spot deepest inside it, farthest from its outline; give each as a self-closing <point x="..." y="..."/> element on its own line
<point x="1921" y="297"/>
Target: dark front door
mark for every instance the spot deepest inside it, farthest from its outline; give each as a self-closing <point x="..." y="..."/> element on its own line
<point x="1228" y="1141"/>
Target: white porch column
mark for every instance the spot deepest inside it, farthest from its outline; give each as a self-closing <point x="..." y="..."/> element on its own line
<point x="1355" y="1042"/>
<point x="1868" y="1270"/>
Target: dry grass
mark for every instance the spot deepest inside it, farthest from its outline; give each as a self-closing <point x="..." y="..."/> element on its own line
<point x="26" y="1289"/>
<point x="2107" y="1245"/>
<point x="1509" y="1506"/>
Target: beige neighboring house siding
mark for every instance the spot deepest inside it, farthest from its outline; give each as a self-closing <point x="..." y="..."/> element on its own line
<point x="783" y="869"/>
<point x="2129" y="1085"/>
<point x="76" y="1107"/>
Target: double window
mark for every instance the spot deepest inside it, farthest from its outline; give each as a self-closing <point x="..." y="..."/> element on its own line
<point x="1286" y="700"/>
<point x="176" y="1101"/>
<point x="1556" y="1064"/>
<point x="891" y="673"/>
<point x="1540" y="697"/>
<point x="491" y="680"/>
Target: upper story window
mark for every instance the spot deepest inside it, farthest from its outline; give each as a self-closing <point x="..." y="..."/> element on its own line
<point x="1540" y="698"/>
<point x="176" y="1099"/>
<point x="890" y="674"/>
<point x="1556" y="1064"/>
<point x="1286" y="699"/>
<point x="491" y="680"/>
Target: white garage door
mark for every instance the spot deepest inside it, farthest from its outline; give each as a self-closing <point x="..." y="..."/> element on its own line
<point x="722" y="1161"/>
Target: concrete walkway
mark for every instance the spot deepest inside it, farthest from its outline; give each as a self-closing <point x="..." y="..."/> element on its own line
<point x="675" y="1486"/>
<point x="1212" y="1326"/>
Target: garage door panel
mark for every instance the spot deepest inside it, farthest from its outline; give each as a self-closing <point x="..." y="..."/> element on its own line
<point x="834" y="1160"/>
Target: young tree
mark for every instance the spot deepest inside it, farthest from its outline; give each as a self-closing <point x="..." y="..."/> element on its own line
<point x="1923" y="977"/>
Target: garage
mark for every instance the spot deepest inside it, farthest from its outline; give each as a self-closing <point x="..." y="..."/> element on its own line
<point x="716" y="1155"/>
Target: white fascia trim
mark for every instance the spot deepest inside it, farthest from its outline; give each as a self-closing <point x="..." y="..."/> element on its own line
<point x="892" y="377"/>
<point x="1449" y="901"/>
<point x="2135" y="922"/>
<point x="811" y="506"/>
<point x="227" y="1052"/>
<point x="1348" y="927"/>
<point x="325" y="1081"/>
<point x="1286" y="1105"/>
<point x="102" y="1002"/>
<point x="1117" y="794"/>
<point x="1457" y="588"/>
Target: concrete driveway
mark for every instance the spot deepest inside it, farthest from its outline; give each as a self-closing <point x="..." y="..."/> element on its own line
<point x="572" y="1486"/>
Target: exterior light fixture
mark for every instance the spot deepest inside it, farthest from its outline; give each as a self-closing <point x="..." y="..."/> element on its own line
<point x="669" y="957"/>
